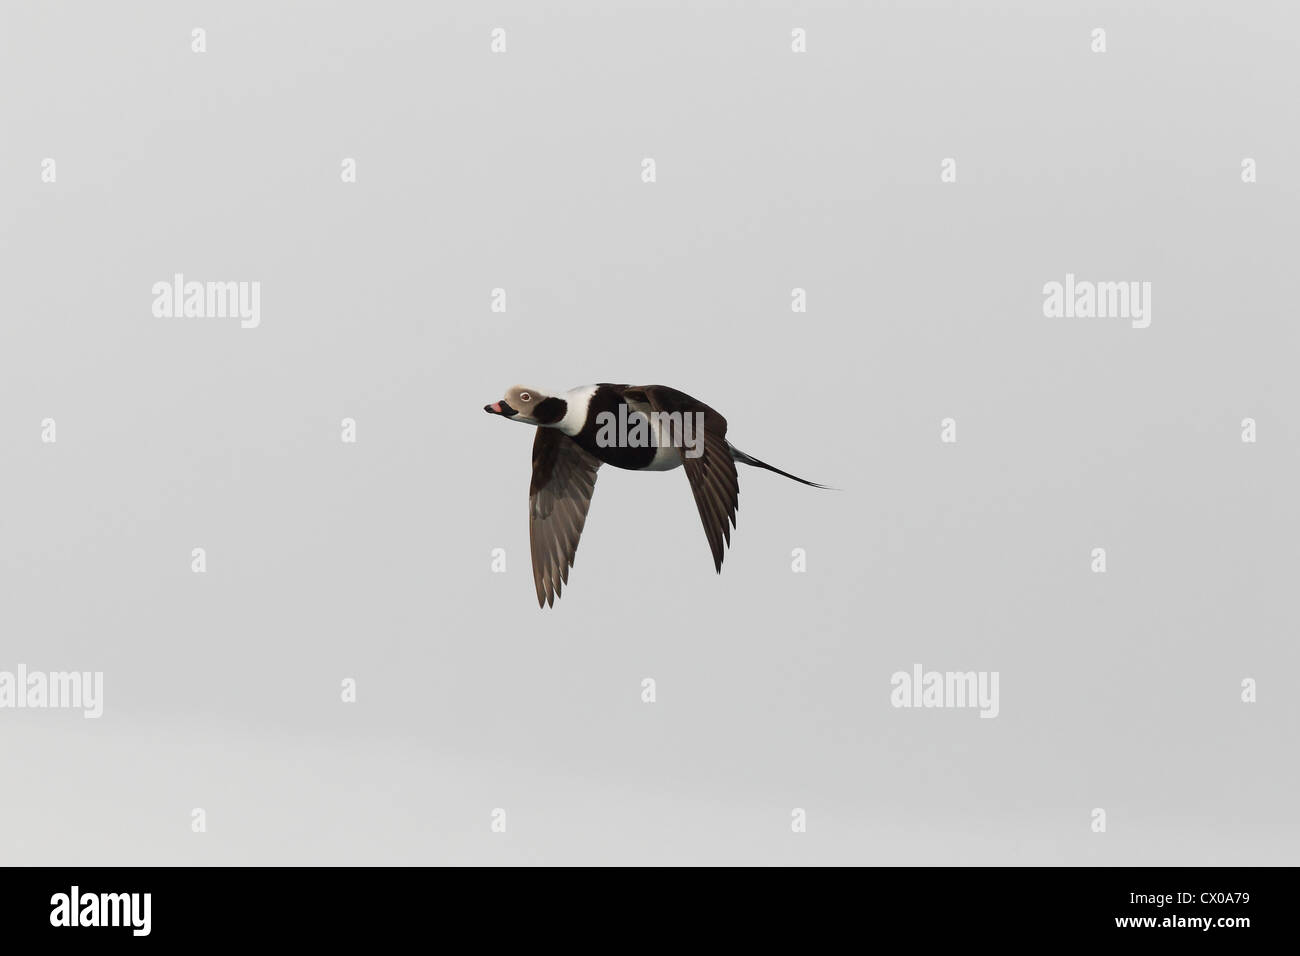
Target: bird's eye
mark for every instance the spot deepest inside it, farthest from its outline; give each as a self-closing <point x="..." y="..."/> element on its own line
<point x="525" y="397"/>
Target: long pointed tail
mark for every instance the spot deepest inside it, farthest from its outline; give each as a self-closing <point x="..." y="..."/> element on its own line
<point x="740" y="456"/>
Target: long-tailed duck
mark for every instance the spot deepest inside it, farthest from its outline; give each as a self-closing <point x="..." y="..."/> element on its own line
<point x="635" y="427"/>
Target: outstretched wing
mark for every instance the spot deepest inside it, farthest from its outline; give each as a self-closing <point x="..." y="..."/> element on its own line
<point x="564" y="477"/>
<point x="712" y="474"/>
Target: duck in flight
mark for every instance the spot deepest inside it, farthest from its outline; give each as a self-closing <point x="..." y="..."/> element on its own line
<point x="635" y="427"/>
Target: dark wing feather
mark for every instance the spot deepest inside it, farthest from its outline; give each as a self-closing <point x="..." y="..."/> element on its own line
<point x="712" y="474"/>
<point x="564" y="477"/>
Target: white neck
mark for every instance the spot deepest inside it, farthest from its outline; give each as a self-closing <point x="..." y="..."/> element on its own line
<point x="575" y="416"/>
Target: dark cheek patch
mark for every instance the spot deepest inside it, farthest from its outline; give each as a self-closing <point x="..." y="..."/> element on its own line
<point x="550" y="410"/>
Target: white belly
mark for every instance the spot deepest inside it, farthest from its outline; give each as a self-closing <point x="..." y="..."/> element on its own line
<point x="666" y="459"/>
<point x="667" y="456"/>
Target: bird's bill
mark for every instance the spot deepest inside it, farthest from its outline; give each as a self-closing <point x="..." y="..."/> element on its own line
<point x="500" y="408"/>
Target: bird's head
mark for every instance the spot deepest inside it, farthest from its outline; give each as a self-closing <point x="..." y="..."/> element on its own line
<point x="531" y="406"/>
